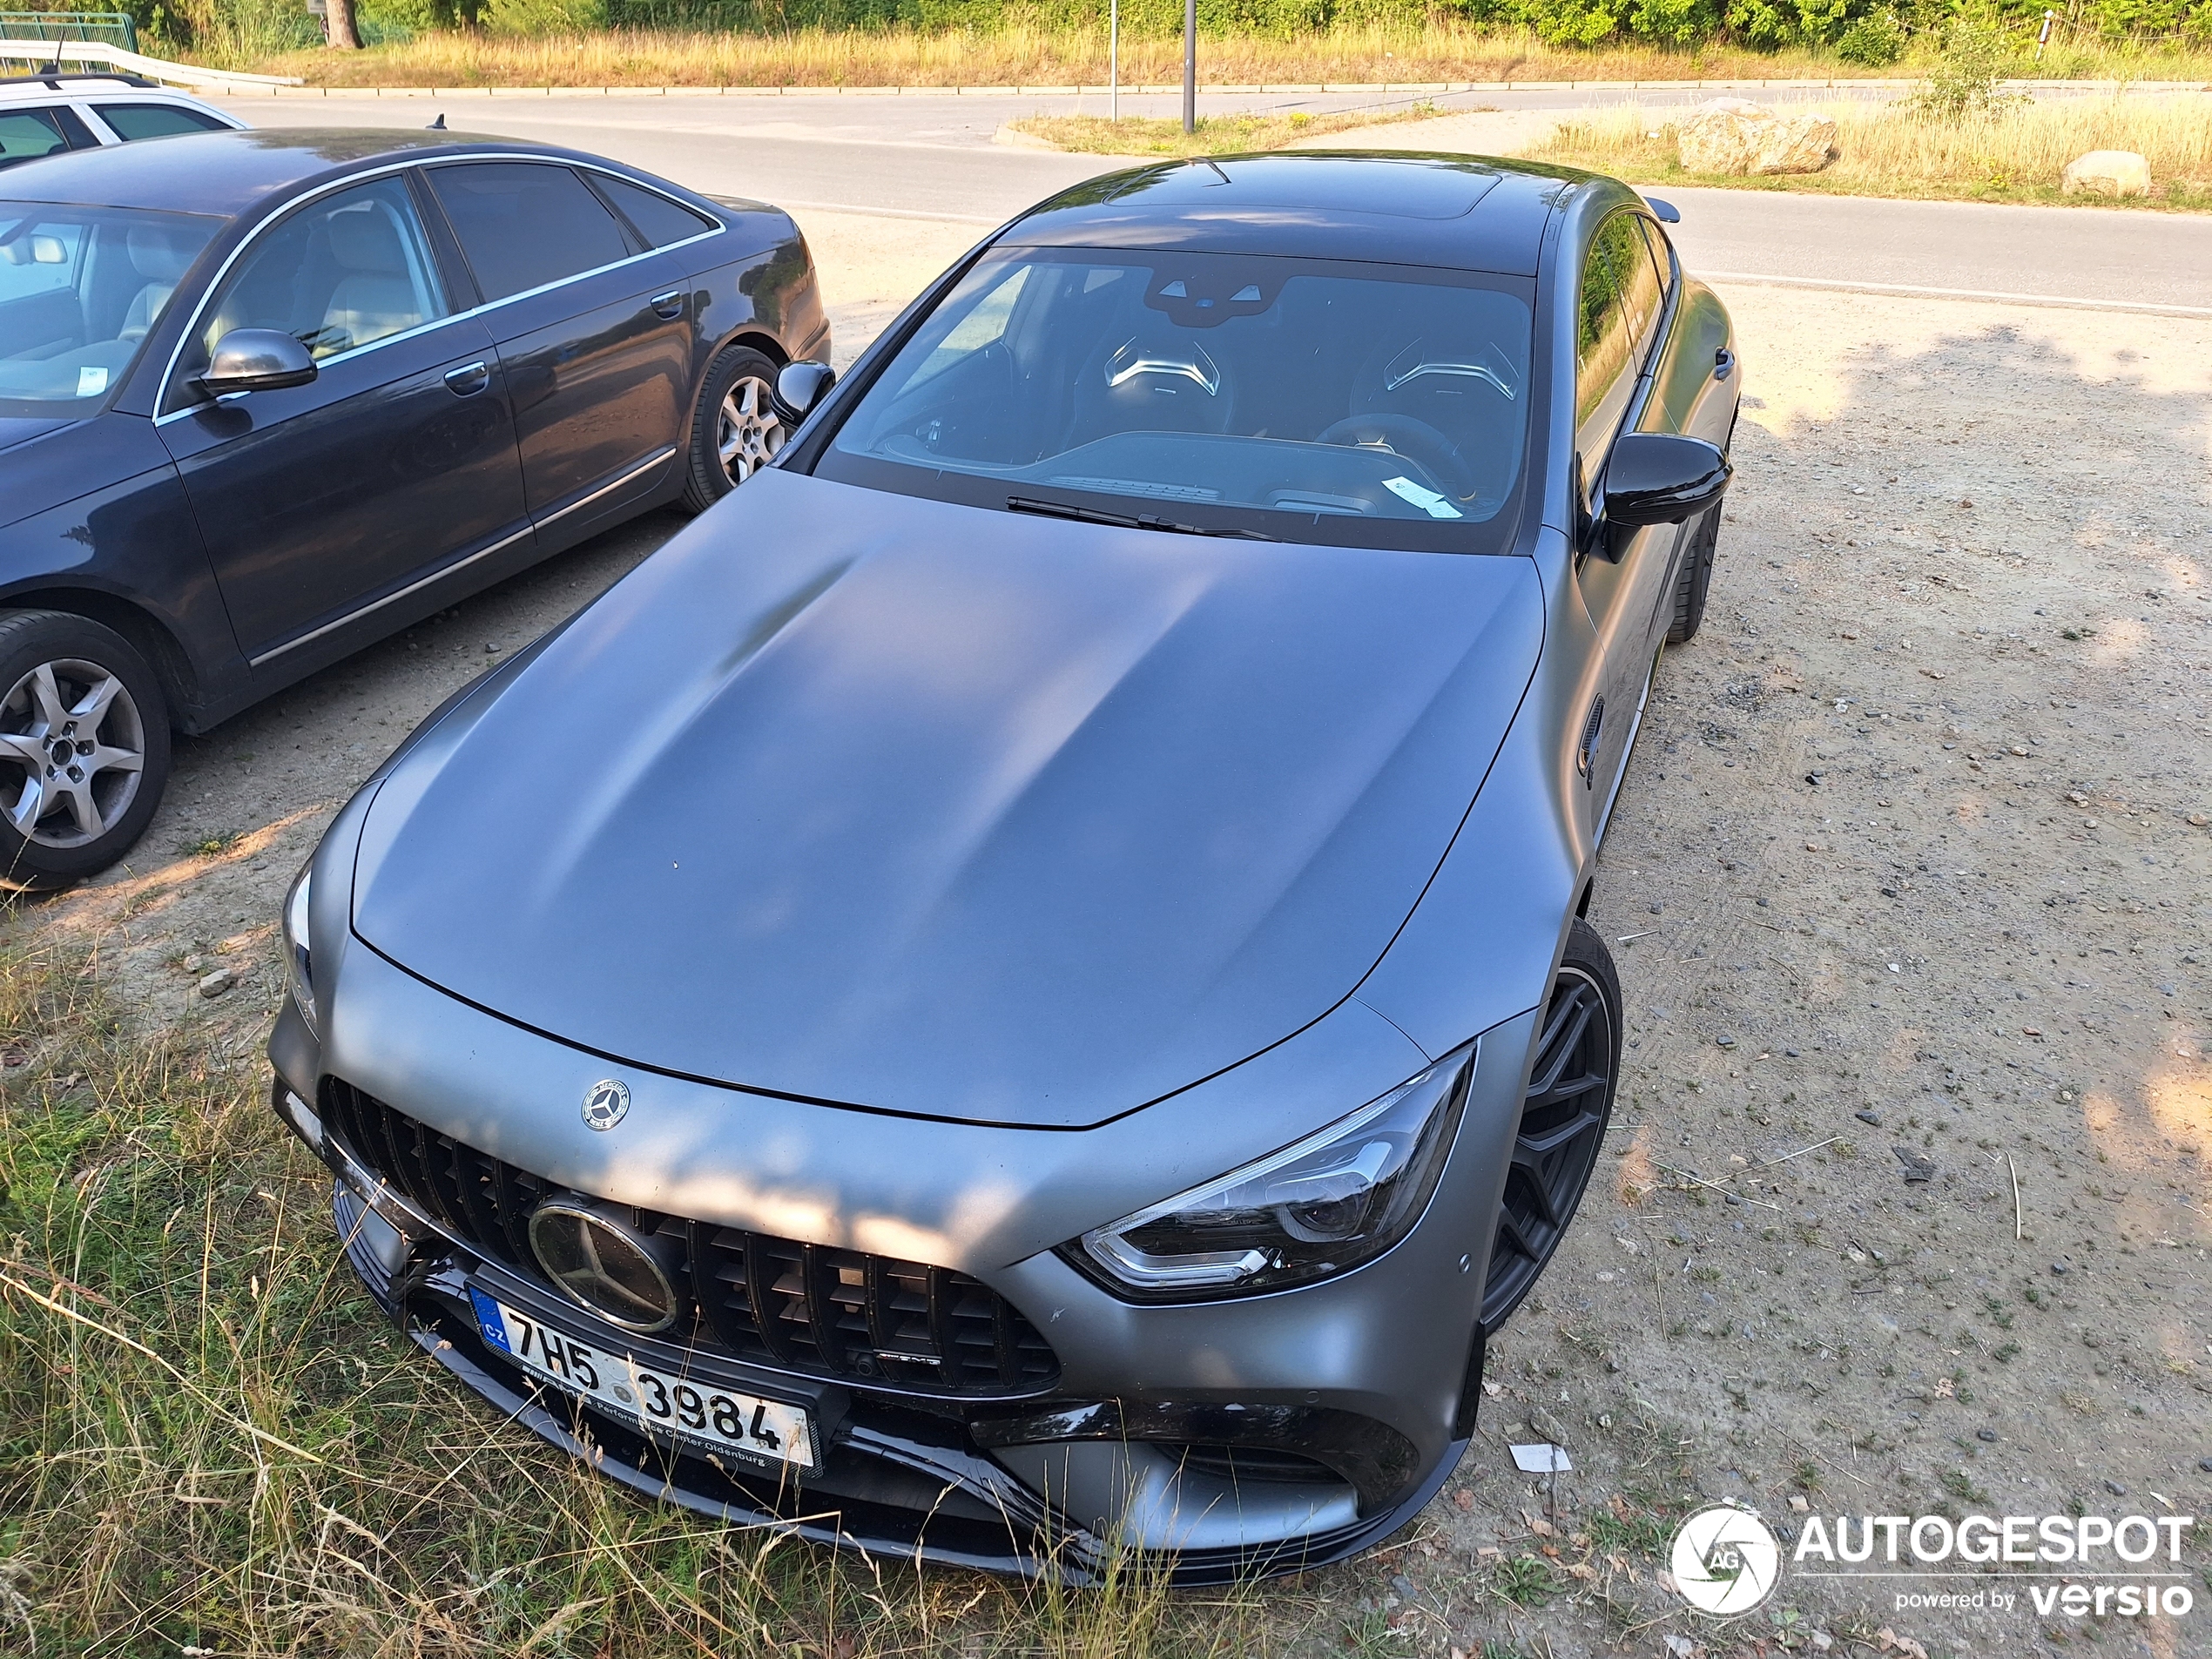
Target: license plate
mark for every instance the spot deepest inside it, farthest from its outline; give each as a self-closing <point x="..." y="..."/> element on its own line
<point x="719" y="1418"/>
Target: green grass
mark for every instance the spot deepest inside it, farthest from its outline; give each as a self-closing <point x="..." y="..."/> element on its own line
<point x="209" y="1439"/>
<point x="1214" y="135"/>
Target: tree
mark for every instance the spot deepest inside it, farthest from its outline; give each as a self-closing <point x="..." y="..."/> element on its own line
<point x="345" y="33"/>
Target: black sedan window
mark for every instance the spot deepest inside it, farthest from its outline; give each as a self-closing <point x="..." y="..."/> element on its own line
<point x="525" y="224"/>
<point x="79" y="289"/>
<point x="1296" y="399"/>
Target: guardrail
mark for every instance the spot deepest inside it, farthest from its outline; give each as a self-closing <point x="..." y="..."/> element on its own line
<point x="36" y="54"/>
<point x="115" y="28"/>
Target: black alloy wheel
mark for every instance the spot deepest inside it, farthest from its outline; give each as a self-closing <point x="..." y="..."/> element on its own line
<point x="1563" y="1118"/>
<point x="735" y="429"/>
<point x="84" y="748"/>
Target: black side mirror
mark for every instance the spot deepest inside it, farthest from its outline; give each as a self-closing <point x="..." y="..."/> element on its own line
<point x="799" y="387"/>
<point x="256" y="359"/>
<point x="1657" y="478"/>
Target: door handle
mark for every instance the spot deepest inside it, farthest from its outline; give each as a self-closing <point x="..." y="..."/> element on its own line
<point x="670" y="305"/>
<point x="1723" y="363"/>
<point x="469" y="380"/>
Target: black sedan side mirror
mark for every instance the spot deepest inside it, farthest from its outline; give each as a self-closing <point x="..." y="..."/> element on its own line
<point x="799" y="387"/>
<point x="1657" y="478"/>
<point x="256" y="359"/>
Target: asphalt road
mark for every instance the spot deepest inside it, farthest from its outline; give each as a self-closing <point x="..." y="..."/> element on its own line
<point x="930" y="156"/>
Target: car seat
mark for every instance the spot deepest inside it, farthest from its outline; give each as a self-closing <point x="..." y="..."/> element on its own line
<point x="378" y="293"/>
<point x="161" y="257"/>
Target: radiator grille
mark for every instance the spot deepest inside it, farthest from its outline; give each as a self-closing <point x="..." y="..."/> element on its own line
<point x="803" y="1307"/>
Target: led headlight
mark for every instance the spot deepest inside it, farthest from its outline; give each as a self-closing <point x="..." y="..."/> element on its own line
<point x="1320" y="1206"/>
<point x="296" y="964"/>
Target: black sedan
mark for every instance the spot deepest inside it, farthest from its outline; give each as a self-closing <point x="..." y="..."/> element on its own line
<point x="267" y="396"/>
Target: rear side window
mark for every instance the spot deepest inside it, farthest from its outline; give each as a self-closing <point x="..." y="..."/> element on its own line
<point x="131" y="121"/>
<point x="659" y="221"/>
<point x="525" y="224"/>
<point x="27" y="134"/>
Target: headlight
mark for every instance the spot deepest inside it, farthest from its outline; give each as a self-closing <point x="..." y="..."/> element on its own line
<point x="296" y="963"/>
<point x="1320" y="1206"/>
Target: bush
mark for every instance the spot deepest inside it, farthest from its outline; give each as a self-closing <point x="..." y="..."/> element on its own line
<point x="1872" y="42"/>
<point x="1965" y="81"/>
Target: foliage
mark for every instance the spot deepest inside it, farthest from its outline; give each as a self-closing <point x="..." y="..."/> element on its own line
<point x="1874" y="41"/>
<point x="1964" y="81"/>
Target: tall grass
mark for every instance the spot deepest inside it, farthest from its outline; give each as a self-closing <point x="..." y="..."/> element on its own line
<point x="2015" y="153"/>
<point x="1027" y="53"/>
<point x="210" y="1441"/>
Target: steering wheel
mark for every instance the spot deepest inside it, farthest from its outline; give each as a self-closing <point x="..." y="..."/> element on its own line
<point x="1417" y="440"/>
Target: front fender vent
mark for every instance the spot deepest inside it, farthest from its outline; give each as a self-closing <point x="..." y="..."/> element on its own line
<point x="808" y="1308"/>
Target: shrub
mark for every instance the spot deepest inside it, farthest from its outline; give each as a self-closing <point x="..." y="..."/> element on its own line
<point x="1874" y="41"/>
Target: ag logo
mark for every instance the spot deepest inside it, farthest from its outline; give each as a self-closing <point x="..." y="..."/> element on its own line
<point x="606" y="1103"/>
<point x="1725" y="1561"/>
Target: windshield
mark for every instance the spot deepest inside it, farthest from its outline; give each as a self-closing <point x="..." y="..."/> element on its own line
<point x="1300" y="400"/>
<point x="79" y="289"/>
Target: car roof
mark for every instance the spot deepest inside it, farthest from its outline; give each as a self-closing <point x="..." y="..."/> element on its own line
<point x="1407" y="207"/>
<point x="228" y="173"/>
<point x="76" y="83"/>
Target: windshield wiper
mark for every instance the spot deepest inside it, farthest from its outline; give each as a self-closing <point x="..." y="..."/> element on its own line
<point x="1126" y="521"/>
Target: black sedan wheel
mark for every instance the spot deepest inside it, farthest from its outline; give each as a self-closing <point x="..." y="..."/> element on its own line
<point x="84" y="748"/>
<point x="1694" y="577"/>
<point x="735" y="430"/>
<point x="1563" y="1117"/>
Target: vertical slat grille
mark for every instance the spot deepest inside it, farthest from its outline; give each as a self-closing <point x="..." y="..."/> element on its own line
<point x="774" y="1301"/>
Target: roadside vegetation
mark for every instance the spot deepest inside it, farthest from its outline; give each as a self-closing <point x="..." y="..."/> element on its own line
<point x="1995" y="150"/>
<point x="1216" y="135"/>
<point x="211" y="1442"/>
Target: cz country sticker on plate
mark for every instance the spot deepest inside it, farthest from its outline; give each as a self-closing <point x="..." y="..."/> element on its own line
<point x="720" y="1418"/>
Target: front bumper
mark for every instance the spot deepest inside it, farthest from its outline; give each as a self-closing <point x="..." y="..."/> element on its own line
<point x="1187" y="1434"/>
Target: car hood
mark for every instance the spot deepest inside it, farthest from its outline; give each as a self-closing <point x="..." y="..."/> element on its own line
<point x="22" y="428"/>
<point x="872" y="800"/>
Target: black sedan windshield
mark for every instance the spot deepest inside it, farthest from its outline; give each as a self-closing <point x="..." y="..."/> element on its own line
<point x="79" y="289"/>
<point x="1297" y="399"/>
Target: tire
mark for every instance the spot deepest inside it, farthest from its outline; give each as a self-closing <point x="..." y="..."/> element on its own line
<point x="84" y="748"/>
<point x="735" y="429"/>
<point x="1696" y="576"/>
<point x="1563" y="1119"/>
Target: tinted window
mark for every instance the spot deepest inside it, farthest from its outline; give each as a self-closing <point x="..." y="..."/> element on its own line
<point x="1622" y="243"/>
<point x="659" y="221"/>
<point x="1603" y="345"/>
<point x="156" y="120"/>
<point x="1300" y="400"/>
<point x="343" y="271"/>
<point x="80" y="287"/>
<point x="523" y="224"/>
<point x="27" y="134"/>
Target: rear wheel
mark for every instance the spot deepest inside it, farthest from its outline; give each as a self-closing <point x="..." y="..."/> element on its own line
<point x="735" y="429"/>
<point x="84" y="748"/>
<point x="1563" y="1117"/>
<point x="1694" y="577"/>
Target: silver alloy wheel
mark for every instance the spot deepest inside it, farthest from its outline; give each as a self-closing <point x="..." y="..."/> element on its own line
<point x="75" y="731"/>
<point x="747" y="431"/>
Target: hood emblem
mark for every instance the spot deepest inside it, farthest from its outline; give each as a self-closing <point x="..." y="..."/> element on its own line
<point x="606" y="1103"/>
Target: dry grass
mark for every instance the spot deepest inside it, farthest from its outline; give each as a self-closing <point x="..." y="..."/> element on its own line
<point x="1216" y="135"/>
<point x="2015" y="154"/>
<point x="209" y="1440"/>
<point x="1029" y="55"/>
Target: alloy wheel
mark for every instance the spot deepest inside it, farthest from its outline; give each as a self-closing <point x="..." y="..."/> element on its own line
<point x="72" y="733"/>
<point x="1562" y="1120"/>
<point x="747" y="430"/>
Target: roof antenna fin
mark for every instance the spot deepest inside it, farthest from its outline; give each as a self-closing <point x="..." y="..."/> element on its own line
<point x="438" y="125"/>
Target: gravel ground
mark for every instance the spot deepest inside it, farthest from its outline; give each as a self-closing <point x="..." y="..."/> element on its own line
<point x="1911" y="888"/>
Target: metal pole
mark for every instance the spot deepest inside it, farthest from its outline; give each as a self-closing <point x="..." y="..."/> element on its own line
<point x="1190" y="65"/>
<point x="1114" y="60"/>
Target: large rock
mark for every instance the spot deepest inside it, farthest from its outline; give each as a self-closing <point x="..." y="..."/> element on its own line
<point x="1732" y="135"/>
<point x="2108" y="173"/>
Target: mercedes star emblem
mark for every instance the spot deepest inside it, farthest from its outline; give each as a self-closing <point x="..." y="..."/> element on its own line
<point x="606" y="1103"/>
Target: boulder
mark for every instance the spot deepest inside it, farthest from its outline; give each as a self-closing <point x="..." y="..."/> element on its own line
<point x="1734" y="136"/>
<point x="2107" y="173"/>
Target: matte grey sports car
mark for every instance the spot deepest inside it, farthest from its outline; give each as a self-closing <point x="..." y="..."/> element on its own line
<point x="1017" y="991"/>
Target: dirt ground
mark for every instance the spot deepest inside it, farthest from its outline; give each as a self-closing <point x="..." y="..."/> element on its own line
<point x="1910" y="883"/>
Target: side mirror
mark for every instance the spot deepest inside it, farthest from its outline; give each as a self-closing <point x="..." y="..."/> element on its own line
<point x="256" y="359"/>
<point x="799" y="387"/>
<point x="1657" y="478"/>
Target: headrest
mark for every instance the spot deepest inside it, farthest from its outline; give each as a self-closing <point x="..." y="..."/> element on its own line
<point x="158" y="253"/>
<point x="364" y="239"/>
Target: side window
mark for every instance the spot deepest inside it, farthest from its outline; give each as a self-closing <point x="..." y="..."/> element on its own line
<point x="131" y="121"/>
<point x="659" y="221"/>
<point x="343" y="271"/>
<point x="524" y="224"/>
<point x="1641" y="294"/>
<point x="27" y="134"/>
<point x="1602" y="348"/>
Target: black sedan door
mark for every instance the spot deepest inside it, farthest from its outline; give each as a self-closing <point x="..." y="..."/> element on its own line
<point x="593" y="332"/>
<point x="320" y="502"/>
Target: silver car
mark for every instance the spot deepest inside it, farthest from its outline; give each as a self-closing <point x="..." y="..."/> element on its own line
<point x="1016" y="993"/>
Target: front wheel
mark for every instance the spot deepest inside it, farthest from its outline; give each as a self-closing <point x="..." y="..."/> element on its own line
<point x="1694" y="577"/>
<point x="84" y="748"/>
<point x="735" y="429"/>
<point x="1563" y="1117"/>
